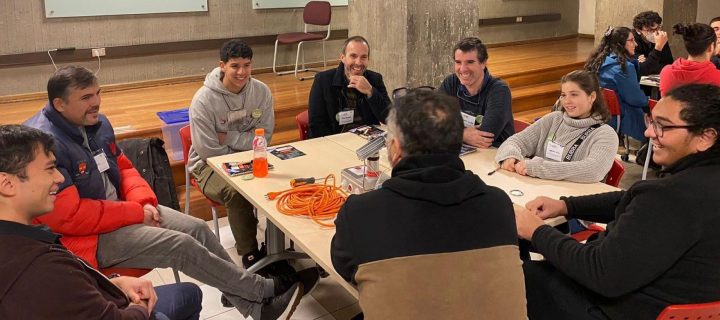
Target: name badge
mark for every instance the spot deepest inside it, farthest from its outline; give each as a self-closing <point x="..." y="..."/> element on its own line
<point x="101" y="161"/>
<point x="235" y="116"/>
<point x="468" y="120"/>
<point x="554" y="151"/>
<point x="345" y="117"/>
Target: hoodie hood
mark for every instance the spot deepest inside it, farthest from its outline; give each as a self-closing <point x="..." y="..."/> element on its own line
<point x="685" y="71"/>
<point x="213" y="81"/>
<point x="440" y="179"/>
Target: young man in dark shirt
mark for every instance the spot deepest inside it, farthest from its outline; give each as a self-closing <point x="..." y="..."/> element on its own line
<point x="653" y="50"/>
<point x="39" y="277"/>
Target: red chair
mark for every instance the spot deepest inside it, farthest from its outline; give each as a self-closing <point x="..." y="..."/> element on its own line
<point x="648" y="155"/>
<point x="186" y="143"/>
<point x="613" y="105"/>
<point x="520" y="125"/>
<point x="302" y="122"/>
<point x="315" y="13"/>
<point x="615" y="174"/>
<point x="691" y="311"/>
<point x="613" y="179"/>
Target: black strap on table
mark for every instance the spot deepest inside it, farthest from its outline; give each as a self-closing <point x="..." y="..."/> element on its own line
<point x="579" y="141"/>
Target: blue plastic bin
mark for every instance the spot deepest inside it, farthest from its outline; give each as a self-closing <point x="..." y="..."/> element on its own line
<point x="174" y="120"/>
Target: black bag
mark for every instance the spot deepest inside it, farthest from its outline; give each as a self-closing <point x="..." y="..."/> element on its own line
<point x="150" y="159"/>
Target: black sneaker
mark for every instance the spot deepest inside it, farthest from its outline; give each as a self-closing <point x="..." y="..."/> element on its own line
<point x="250" y="258"/>
<point x="282" y="306"/>
<point x="308" y="277"/>
<point x="225" y="302"/>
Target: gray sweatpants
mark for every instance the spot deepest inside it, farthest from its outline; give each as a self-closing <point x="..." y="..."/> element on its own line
<point x="186" y="244"/>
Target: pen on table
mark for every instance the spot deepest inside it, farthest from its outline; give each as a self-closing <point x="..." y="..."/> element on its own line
<point x="491" y="172"/>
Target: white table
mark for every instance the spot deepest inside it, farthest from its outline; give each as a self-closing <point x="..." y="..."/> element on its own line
<point x="332" y="154"/>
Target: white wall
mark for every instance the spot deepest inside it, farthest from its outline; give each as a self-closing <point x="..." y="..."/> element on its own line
<point x="707" y="9"/>
<point x="586" y="17"/>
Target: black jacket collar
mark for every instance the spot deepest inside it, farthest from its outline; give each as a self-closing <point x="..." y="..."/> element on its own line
<point x="37" y="232"/>
<point x="700" y="159"/>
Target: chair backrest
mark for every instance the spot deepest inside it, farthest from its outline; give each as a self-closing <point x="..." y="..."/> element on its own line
<point x="652" y="103"/>
<point x="302" y="122"/>
<point x="317" y="13"/>
<point x="612" y="101"/>
<point x="691" y="311"/>
<point x="615" y="174"/>
<point x="186" y="142"/>
<point x="520" y="125"/>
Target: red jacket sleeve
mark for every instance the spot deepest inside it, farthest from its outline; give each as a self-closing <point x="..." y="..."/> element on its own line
<point x="74" y="216"/>
<point x="132" y="185"/>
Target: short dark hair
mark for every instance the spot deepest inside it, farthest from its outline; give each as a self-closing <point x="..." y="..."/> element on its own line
<point x="697" y="37"/>
<point x="589" y="83"/>
<point x="470" y="44"/>
<point x="713" y="20"/>
<point x="646" y="19"/>
<point x="18" y="144"/>
<point x="700" y="106"/>
<point x="355" y="39"/>
<point x="235" y="48"/>
<point x="426" y="122"/>
<point x="66" y="77"/>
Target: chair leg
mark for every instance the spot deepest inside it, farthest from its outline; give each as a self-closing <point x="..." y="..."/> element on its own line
<point x="187" y="190"/>
<point x="648" y="157"/>
<point x="215" y="222"/>
<point x="177" y="276"/>
<point x="275" y="62"/>
<point x="297" y="58"/>
<point x="324" y="59"/>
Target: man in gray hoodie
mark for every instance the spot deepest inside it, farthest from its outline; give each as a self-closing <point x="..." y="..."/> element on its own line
<point x="224" y="114"/>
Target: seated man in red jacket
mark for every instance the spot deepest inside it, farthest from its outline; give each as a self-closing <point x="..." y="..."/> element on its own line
<point x="108" y="214"/>
<point x="41" y="279"/>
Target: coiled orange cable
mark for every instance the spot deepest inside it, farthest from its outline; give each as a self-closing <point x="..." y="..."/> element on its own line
<point x="317" y="201"/>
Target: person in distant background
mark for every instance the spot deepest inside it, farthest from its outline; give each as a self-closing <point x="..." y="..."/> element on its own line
<point x="700" y="42"/>
<point x="715" y="25"/>
<point x="653" y="50"/>
<point x="613" y="61"/>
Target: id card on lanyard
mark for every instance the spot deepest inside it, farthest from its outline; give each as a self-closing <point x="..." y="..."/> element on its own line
<point x="554" y="150"/>
<point x="346" y="116"/>
<point x="101" y="160"/>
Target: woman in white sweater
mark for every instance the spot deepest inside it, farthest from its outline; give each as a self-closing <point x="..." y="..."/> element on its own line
<point x="573" y="144"/>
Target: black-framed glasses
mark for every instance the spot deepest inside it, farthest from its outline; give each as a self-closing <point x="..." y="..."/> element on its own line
<point x="661" y="128"/>
<point x="402" y="91"/>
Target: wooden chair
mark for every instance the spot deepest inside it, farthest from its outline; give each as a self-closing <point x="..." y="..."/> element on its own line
<point x="315" y="13"/>
<point x="189" y="180"/>
<point x="709" y="310"/>
<point x="302" y="122"/>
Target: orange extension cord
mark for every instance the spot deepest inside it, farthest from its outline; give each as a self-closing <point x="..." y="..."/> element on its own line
<point x="317" y="201"/>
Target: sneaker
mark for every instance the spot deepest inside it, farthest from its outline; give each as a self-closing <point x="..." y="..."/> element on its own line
<point x="308" y="277"/>
<point x="250" y="258"/>
<point x="282" y="306"/>
<point x="225" y="302"/>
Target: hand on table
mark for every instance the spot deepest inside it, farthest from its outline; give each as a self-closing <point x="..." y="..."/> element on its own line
<point x="477" y="138"/>
<point x="546" y="208"/>
<point x="527" y="222"/>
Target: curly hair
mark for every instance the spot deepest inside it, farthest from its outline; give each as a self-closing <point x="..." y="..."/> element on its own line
<point x="612" y="42"/>
<point x="646" y="19"/>
<point x="697" y="37"/>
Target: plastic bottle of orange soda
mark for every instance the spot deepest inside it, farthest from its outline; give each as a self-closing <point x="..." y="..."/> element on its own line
<point x="260" y="163"/>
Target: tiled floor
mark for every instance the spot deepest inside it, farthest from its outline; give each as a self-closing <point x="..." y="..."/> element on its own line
<point x="328" y="301"/>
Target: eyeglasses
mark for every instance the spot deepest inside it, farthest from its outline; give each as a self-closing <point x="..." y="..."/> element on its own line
<point x="653" y="30"/>
<point x="660" y="128"/>
<point x="402" y="91"/>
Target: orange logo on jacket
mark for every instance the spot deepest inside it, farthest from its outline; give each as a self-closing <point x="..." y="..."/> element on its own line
<point x="82" y="166"/>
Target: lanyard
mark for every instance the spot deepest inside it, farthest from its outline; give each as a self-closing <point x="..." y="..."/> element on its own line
<point x="579" y="141"/>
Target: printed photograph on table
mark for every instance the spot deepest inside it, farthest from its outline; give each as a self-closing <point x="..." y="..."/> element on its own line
<point x="368" y="132"/>
<point x="465" y="149"/>
<point x="286" y="152"/>
<point x="240" y="168"/>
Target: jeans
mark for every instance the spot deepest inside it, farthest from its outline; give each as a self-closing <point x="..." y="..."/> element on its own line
<point x="178" y="301"/>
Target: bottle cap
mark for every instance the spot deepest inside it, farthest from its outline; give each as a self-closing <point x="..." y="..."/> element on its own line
<point x="259" y="131"/>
